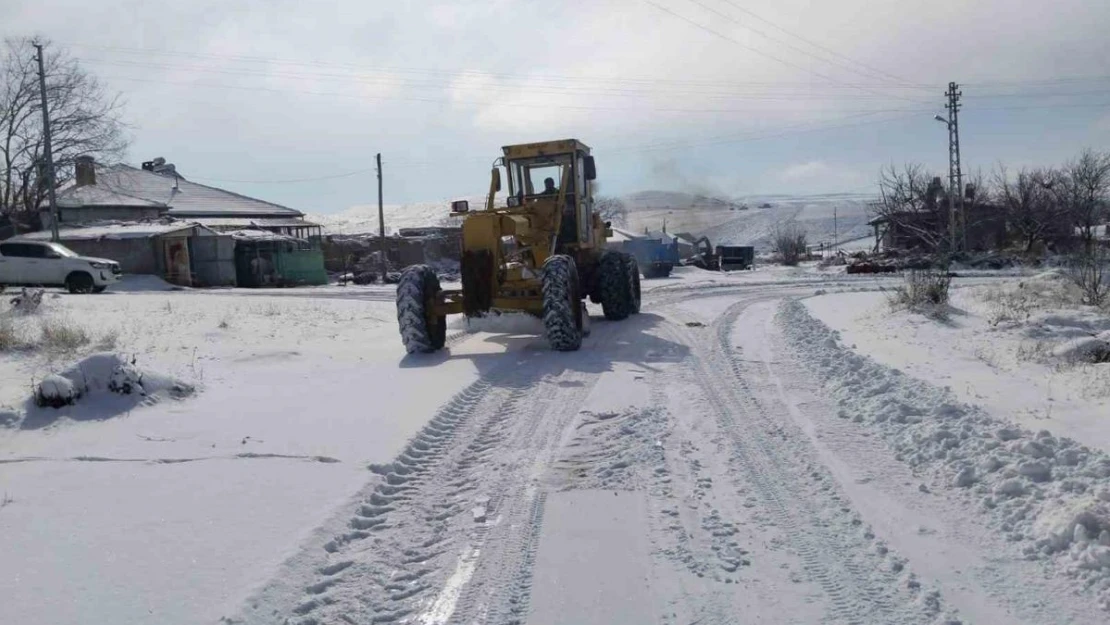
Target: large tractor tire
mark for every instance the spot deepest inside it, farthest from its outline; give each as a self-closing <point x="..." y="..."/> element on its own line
<point x="562" y="304"/>
<point x="632" y="268"/>
<point x="417" y="292"/>
<point x="616" y="285"/>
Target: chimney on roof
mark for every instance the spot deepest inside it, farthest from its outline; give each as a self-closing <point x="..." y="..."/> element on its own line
<point x="84" y="171"/>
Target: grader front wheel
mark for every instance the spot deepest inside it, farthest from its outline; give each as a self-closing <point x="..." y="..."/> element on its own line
<point x="562" y="304"/>
<point x="417" y="293"/>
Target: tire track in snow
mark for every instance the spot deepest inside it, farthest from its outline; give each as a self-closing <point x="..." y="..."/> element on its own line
<point x="858" y="591"/>
<point x="346" y="578"/>
<point x="500" y="592"/>
<point x="449" y="529"/>
<point x="241" y="456"/>
<point x="408" y="515"/>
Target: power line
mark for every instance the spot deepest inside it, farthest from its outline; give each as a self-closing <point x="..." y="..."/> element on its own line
<point x="451" y="73"/>
<point x="534" y="105"/>
<point x="779" y="41"/>
<point x="746" y="47"/>
<point x="287" y="180"/>
<point x="814" y="44"/>
<point x="754" y="135"/>
<point x="441" y="84"/>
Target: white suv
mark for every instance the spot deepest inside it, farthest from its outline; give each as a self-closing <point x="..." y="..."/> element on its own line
<point x="40" y="263"/>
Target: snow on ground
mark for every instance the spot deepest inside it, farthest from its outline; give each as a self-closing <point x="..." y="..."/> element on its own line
<point x="1046" y="494"/>
<point x="996" y="351"/>
<point x="364" y="219"/>
<point x="688" y="464"/>
<point x="171" y="512"/>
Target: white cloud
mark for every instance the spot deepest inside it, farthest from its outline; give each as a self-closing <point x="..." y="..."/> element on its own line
<point x="619" y="75"/>
<point x="805" y="171"/>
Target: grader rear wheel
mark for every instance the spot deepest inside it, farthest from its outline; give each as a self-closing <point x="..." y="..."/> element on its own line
<point x="417" y="292"/>
<point x="632" y="268"/>
<point x="618" y="289"/>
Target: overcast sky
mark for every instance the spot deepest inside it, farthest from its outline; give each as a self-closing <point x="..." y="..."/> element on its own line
<point x="725" y="96"/>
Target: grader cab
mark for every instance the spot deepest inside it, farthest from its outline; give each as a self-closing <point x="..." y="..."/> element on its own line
<point x="543" y="253"/>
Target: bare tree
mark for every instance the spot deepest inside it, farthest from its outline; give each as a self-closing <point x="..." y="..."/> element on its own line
<point x="1031" y="211"/>
<point x="911" y="201"/>
<point x="1082" y="188"/>
<point x="611" y="209"/>
<point x="789" y="241"/>
<point x="84" y="120"/>
<point x="1089" y="269"/>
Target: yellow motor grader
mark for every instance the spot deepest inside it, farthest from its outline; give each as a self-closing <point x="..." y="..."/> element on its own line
<point x="543" y="253"/>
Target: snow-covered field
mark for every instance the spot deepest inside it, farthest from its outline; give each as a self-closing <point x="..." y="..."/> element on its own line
<point x="723" y="455"/>
<point x="825" y="218"/>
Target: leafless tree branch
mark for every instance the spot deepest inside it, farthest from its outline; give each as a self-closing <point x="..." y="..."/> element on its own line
<point x="84" y="119"/>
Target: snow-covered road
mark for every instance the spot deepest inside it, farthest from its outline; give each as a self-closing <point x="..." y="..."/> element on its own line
<point x="692" y="464"/>
<point x="682" y="468"/>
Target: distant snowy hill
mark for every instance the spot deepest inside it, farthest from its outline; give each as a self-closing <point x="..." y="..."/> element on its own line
<point x="728" y="221"/>
<point x="363" y="219"/>
<point x="742" y="221"/>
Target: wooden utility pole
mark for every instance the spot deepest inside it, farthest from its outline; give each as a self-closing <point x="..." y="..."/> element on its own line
<point x="48" y="154"/>
<point x="381" y="217"/>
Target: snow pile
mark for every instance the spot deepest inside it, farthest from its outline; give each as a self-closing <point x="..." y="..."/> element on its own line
<point x="56" y="391"/>
<point x="1046" y="309"/>
<point x="99" y="377"/>
<point x="500" y="323"/>
<point x="1050" y="495"/>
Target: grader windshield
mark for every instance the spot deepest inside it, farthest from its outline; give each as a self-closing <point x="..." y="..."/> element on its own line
<point x="527" y="176"/>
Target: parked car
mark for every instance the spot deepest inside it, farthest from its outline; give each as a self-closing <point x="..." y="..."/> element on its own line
<point x="41" y="263"/>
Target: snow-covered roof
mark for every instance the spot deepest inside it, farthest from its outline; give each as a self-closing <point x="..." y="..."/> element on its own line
<point x="248" y="234"/>
<point x="659" y="235"/>
<point x="111" y="231"/>
<point x="123" y="185"/>
<point x="620" y="234"/>
<point x="249" y="222"/>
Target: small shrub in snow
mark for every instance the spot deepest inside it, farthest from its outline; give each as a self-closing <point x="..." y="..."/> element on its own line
<point x="925" y="291"/>
<point x="62" y="336"/>
<point x="56" y="391"/>
<point x="789" y="243"/>
<point x="126" y="379"/>
<point x="10" y="339"/>
<point x="1090" y="271"/>
<point x="108" y="340"/>
<point x="1090" y="349"/>
<point x="27" y="301"/>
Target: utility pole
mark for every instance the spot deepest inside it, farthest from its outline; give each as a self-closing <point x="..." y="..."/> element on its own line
<point x="955" y="176"/>
<point x="835" y="237"/>
<point x="381" y="217"/>
<point x="48" y="154"/>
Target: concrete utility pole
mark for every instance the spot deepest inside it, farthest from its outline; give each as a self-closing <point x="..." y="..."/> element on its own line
<point x="381" y="217"/>
<point x="955" y="176"/>
<point x="48" y="154"/>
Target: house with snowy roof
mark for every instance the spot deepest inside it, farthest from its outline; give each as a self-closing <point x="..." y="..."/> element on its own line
<point x="154" y="221"/>
<point x="121" y="192"/>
